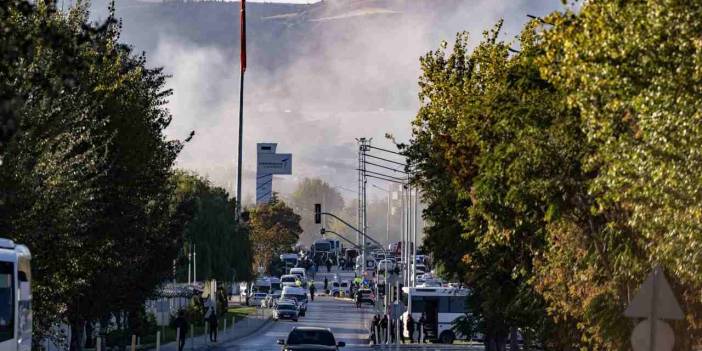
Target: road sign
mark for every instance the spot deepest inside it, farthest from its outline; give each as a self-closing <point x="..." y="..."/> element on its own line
<point x="641" y="337"/>
<point x="654" y="301"/>
<point x="398" y="308"/>
<point x="275" y="163"/>
<point x="666" y="306"/>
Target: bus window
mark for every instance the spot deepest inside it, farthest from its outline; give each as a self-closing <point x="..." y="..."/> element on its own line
<point x="7" y="298"/>
<point x="457" y="304"/>
<point x="418" y="304"/>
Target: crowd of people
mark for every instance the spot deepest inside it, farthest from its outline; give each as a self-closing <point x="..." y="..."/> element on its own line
<point x="379" y="329"/>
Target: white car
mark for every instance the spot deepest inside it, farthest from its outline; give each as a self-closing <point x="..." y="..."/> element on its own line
<point x="257" y="298"/>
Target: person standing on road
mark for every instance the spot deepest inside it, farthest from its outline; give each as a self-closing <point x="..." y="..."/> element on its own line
<point x="326" y="285"/>
<point x="422" y="334"/>
<point x="410" y="327"/>
<point x="358" y="299"/>
<point x="312" y="290"/>
<point x="329" y="265"/>
<point x="181" y="325"/>
<point x="384" y="327"/>
<point x="213" y="324"/>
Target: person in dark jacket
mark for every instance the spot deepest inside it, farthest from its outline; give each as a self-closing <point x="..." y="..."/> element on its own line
<point x="384" y="326"/>
<point x="181" y="325"/>
<point x="410" y="327"/>
<point x="420" y="327"/>
<point x="326" y="284"/>
<point x="312" y="290"/>
<point x="213" y="324"/>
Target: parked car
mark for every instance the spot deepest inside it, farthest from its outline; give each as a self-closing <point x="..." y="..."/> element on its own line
<point x="286" y="310"/>
<point x="312" y="339"/>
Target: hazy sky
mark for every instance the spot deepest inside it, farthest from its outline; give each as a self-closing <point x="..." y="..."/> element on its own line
<point x="363" y="63"/>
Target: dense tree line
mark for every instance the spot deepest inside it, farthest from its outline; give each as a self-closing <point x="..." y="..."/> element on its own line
<point x="222" y="246"/>
<point x="559" y="173"/>
<point x="86" y="173"/>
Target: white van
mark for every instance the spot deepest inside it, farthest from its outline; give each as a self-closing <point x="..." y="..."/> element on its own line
<point x="300" y="272"/>
<point x="289" y="280"/>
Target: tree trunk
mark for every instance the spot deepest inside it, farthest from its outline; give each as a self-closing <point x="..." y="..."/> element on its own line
<point x="513" y="344"/>
<point x="76" y="343"/>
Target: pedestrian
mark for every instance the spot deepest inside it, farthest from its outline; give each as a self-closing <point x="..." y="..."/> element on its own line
<point x="329" y="265"/>
<point x="181" y="325"/>
<point x="393" y="331"/>
<point x="401" y="323"/>
<point x="312" y="290"/>
<point x="213" y="324"/>
<point x="384" y="327"/>
<point x="359" y="296"/>
<point x="326" y="285"/>
<point x="410" y="327"/>
<point x="422" y="333"/>
<point x="375" y="325"/>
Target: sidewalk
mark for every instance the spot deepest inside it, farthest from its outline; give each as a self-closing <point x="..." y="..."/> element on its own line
<point x="241" y="329"/>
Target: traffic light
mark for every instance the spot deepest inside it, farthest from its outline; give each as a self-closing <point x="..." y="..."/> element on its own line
<point x="317" y="213"/>
<point x="322" y="231"/>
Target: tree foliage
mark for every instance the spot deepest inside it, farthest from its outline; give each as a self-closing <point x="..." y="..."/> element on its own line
<point x="222" y="246"/>
<point x="85" y="170"/>
<point x="557" y="175"/>
<point x="275" y="229"/>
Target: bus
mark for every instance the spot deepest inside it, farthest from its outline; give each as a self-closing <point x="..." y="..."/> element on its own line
<point x="441" y="306"/>
<point x="15" y="297"/>
<point x="290" y="260"/>
<point x="321" y="251"/>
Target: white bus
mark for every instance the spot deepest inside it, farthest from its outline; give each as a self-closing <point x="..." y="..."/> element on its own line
<point x="15" y="297"/>
<point x="441" y="307"/>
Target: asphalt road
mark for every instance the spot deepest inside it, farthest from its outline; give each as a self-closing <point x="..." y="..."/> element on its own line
<point x="340" y="315"/>
<point x="346" y="322"/>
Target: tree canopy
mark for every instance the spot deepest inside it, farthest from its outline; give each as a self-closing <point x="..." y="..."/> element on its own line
<point x="85" y="165"/>
<point x="565" y="170"/>
<point x="275" y="229"/>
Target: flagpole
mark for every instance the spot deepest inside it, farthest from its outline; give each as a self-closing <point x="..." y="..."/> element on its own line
<point x="241" y="108"/>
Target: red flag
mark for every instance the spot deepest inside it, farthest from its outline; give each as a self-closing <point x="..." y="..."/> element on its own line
<point x="243" y="35"/>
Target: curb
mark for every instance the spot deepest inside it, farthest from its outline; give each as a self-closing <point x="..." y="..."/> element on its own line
<point x="237" y="338"/>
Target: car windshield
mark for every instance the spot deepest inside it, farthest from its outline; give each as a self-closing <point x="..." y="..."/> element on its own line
<point x="311" y="337"/>
<point x="288" y="279"/>
<point x="286" y="307"/>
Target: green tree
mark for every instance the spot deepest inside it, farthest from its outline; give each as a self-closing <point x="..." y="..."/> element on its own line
<point x="633" y="71"/>
<point x="275" y="229"/>
<point x="85" y="178"/>
<point x="497" y="149"/>
<point x="223" y="248"/>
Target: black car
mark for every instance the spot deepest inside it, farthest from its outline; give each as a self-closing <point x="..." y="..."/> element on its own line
<point x="367" y="296"/>
<point x="310" y="339"/>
